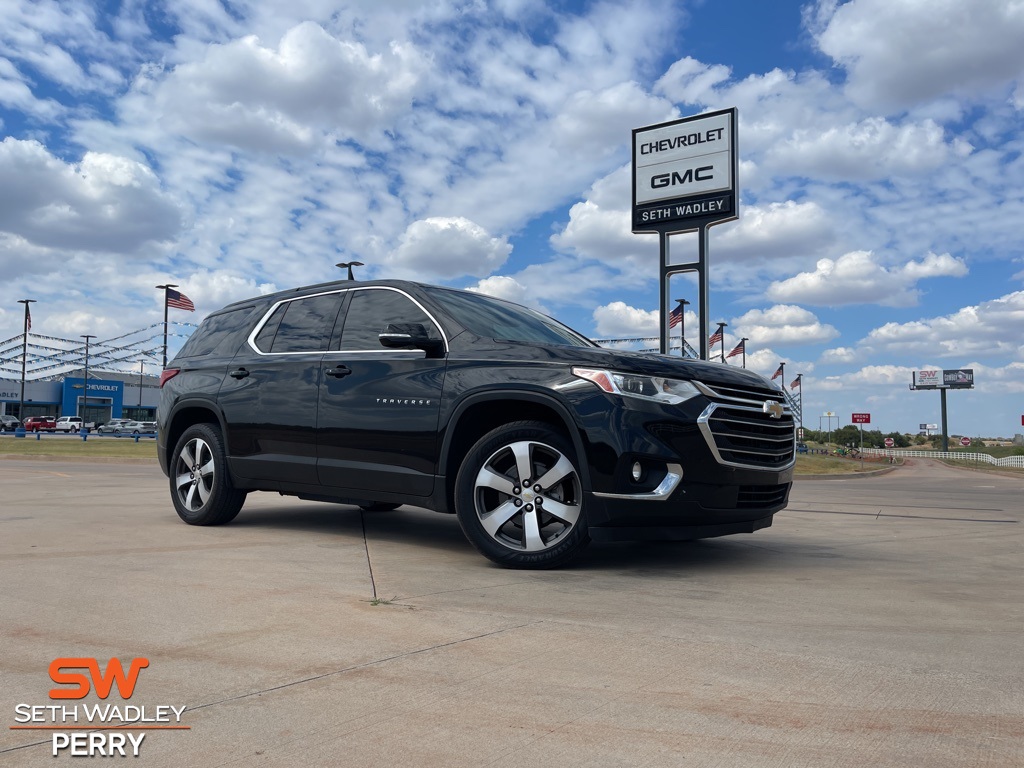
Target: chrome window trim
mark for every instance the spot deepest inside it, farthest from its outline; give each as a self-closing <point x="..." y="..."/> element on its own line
<point x="251" y="340"/>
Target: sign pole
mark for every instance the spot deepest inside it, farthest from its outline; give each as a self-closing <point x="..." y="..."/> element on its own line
<point x="945" y="429"/>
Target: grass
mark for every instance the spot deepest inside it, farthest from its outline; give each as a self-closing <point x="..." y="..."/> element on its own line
<point x="94" y="447"/>
<point x="146" y="449"/>
<point x="817" y="464"/>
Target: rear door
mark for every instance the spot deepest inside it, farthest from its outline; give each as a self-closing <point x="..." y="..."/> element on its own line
<point x="269" y="395"/>
<point x="379" y="408"/>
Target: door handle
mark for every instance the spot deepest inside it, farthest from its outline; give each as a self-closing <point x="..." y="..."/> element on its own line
<point x="339" y="372"/>
<point x="241" y="373"/>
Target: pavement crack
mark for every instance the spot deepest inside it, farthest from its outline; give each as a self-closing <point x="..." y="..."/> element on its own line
<point x="364" y="665"/>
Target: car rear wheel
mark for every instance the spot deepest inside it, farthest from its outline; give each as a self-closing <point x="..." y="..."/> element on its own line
<point x="201" y="487"/>
<point x="519" y="497"/>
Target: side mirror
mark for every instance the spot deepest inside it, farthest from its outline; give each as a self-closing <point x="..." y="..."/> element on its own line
<point x="409" y="336"/>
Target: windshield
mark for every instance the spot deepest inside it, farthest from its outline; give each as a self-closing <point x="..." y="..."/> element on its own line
<point x="493" y="318"/>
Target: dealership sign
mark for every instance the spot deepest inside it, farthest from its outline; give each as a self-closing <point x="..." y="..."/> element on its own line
<point x="684" y="173"/>
<point x="958" y="378"/>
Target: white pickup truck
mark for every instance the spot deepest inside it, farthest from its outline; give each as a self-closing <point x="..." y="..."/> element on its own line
<point x="73" y="424"/>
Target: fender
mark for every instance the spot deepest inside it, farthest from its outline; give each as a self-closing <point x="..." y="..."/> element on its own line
<point x="523" y="395"/>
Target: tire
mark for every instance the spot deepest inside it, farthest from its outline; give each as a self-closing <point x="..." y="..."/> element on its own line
<point x="379" y="506"/>
<point x="516" y="526"/>
<point x="201" y="487"/>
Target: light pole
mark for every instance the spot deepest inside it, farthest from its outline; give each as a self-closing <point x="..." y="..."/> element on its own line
<point x="166" y="288"/>
<point x="85" y="395"/>
<point x="142" y="367"/>
<point x="24" y="356"/>
<point x="682" y="326"/>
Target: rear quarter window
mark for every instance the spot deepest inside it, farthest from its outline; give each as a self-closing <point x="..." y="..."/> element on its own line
<point x="220" y="334"/>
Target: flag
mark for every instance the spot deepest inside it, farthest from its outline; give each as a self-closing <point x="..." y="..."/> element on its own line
<point x="716" y="337"/>
<point x="741" y="348"/>
<point x="28" y="318"/>
<point x="777" y="373"/>
<point x="796" y="383"/>
<point x="675" y="317"/>
<point x="179" y="300"/>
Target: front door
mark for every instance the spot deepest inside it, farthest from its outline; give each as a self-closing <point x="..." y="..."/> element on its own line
<point x="379" y="408"/>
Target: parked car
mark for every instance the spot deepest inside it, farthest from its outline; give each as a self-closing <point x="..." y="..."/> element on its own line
<point x="113" y="426"/>
<point x="136" y="428"/>
<point x="70" y="424"/>
<point x="40" y="424"/>
<point x="801" y="448"/>
<point x="390" y="392"/>
<point x="9" y="423"/>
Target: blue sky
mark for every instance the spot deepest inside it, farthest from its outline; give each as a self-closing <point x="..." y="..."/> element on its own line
<point x="246" y="147"/>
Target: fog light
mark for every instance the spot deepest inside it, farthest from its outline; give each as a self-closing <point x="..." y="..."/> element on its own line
<point x="638" y="471"/>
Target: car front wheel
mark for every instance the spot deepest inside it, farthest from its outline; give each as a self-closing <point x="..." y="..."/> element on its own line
<point x="201" y="487"/>
<point x="519" y="497"/>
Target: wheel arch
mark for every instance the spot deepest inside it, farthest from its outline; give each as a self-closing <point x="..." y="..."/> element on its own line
<point x="478" y="414"/>
<point x="189" y="412"/>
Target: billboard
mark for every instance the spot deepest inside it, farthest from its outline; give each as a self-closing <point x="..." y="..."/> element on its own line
<point x="684" y="173"/>
<point x="957" y="378"/>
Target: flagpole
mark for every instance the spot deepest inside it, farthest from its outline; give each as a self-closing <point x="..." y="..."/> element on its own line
<point x="744" y="341"/>
<point x="165" y="289"/>
<point x="682" y="326"/>
<point x="800" y="378"/>
<point x="24" y="356"/>
<point x="721" y="330"/>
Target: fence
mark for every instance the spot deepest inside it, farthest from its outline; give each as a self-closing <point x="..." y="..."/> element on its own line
<point x="1017" y="462"/>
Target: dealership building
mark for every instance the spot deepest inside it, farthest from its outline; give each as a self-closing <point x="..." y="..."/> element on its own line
<point x="111" y="396"/>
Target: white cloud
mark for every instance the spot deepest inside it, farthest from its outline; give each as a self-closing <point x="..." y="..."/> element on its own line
<point x="618" y="319"/>
<point x="105" y="203"/>
<point x="783" y="325"/>
<point x="990" y="328"/>
<point x="858" y="278"/>
<point x="445" y="248"/>
<point x="899" y="53"/>
<point x="873" y="148"/>
<point x="291" y="98"/>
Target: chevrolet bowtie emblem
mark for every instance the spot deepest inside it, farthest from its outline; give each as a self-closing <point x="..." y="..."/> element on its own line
<point x="774" y="408"/>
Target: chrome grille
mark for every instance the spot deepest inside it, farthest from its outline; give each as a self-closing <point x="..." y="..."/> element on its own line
<point x="740" y="430"/>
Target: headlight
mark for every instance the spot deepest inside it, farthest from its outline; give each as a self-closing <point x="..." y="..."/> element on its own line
<point x="668" y="391"/>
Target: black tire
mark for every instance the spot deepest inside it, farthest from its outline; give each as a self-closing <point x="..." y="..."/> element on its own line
<point x="201" y="487"/>
<point x="379" y="506"/>
<point x="542" y="525"/>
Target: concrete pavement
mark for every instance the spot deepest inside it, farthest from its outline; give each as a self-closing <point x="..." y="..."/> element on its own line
<point x="878" y="622"/>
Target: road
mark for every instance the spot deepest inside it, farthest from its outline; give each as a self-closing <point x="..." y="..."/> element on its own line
<point x="877" y="623"/>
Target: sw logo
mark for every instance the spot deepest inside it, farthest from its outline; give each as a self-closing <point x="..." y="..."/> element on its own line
<point x="101" y="729"/>
<point x="103" y="683"/>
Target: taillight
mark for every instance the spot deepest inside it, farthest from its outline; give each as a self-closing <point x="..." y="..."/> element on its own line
<point x="167" y="374"/>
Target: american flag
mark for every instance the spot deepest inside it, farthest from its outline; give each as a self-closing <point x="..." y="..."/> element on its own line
<point x="777" y="373"/>
<point x="716" y="337"/>
<point x="740" y="349"/>
<point x="28" y="318"/>
<point x="179" y="300"/>
<point x="675" y="317"/>
<point x="796" y="383"/>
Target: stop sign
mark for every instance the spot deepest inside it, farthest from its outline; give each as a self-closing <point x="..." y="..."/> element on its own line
<point x="889" y="442"/>
<point x="965" y="441"/>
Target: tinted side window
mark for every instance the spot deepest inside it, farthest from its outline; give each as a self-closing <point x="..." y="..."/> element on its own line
<point x="219" y="334"/>
<point x="370" y="312"/>
<point x="306" y="324"/>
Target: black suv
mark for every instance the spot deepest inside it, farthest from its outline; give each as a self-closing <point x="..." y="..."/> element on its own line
<point x="389" y="392"/>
